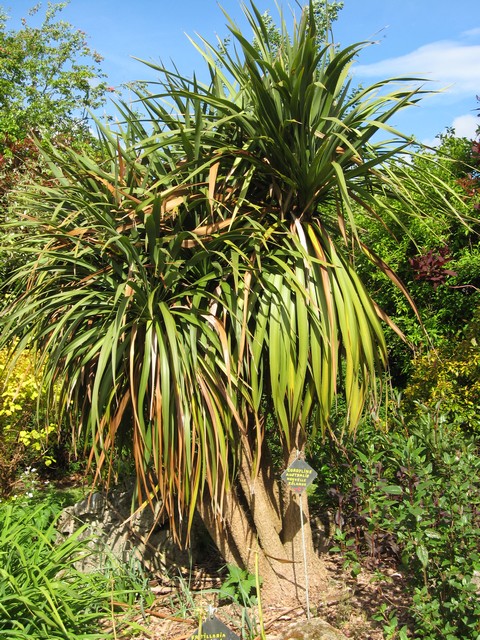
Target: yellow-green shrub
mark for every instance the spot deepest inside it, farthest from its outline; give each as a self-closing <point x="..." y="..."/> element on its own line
<point x="24" y="434"/>
<point x="449" y="379"/>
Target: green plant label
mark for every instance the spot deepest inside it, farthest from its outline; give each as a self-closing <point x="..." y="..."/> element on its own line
<point x="299" y="475"/>
<point x="213" y="629"/>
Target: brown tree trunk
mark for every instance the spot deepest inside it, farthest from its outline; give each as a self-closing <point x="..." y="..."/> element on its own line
<point x="260" y="526"/>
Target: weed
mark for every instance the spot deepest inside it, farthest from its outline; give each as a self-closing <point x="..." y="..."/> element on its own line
<point x="240" y="586"/>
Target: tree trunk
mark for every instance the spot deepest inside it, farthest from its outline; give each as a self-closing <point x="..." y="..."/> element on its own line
<point x="260" y="526"/>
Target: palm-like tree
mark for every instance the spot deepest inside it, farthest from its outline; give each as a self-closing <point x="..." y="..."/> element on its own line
<point x="197" y="277"/>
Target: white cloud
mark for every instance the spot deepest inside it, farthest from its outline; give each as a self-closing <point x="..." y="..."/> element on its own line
<point x="455" y="66"/>
<point x="472" y="33"/>
<point x="431" y="142"/>
<point x="466" y="126"/>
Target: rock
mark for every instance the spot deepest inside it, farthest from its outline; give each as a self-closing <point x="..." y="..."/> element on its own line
<point x="107" y="520"/>
<point x="314" y="629"/>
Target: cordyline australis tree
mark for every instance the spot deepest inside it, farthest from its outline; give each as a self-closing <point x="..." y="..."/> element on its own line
<point x="198" y="279"/>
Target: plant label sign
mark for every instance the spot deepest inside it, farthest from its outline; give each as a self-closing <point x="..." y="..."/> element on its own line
<point x="213" y="629"/>
<point x="299" y="475"/>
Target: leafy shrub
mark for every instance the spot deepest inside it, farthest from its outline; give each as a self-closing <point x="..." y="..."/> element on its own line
<point x="42" y="595"/>
<point x="436" y="522"/>
<point x="23" y="433"/>
<point x="28" y="437"/>
<point x="449" y="378"/>
<point x="412" y="495"/>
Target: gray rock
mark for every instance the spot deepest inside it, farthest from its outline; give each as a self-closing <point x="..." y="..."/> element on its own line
<point x="107" y="520"/>
<point x="315" y="629"/>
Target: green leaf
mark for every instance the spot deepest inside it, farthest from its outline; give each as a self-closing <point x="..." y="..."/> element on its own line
<point x="393" y="490"/>
<point x="422" y="554"/>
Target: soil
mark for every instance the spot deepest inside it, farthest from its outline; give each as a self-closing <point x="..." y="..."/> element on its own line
<point x="350" y="606"/>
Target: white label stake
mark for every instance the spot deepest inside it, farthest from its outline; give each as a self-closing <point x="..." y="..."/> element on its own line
<point x="298" y="476"/>
<point x="305" y="565"/>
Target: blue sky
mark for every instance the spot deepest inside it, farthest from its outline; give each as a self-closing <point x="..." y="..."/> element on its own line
<point x="434" y="39"/>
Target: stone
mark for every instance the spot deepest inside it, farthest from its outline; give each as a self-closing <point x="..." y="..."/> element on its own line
<point x="107" y="520"/>
<point x="314" y="629"/>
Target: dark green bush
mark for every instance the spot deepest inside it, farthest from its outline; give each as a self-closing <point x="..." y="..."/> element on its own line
<point x="412" y="496"/>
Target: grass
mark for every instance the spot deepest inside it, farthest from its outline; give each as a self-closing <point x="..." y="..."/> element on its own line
<point x="42" y="595"/>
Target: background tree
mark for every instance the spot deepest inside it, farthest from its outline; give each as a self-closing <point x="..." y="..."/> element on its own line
<point x="201" y="278"/>
<point x="49" y="79"/>
<point x="324" y="14"/>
